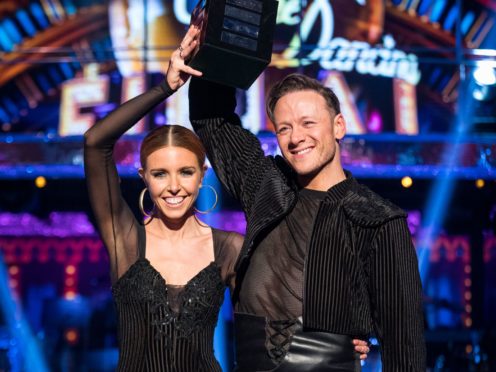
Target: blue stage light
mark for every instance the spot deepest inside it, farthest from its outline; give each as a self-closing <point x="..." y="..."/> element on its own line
<point x="5" y="41"/>
<point x="32" y="358"/>
<point x="434" y="76"/>
<point x="450" y="19"/>
<point x="39" y="15"/>
<point x="43" y="83"/>
<point x="12" y="31"/>
<point x="66" y="70"/>
<point x="26" y="23"/>
<point x="4" y="118"/>
<point x="442" y="189"/>
<point x="69" y="7"/>
<point x="10" y="106"/>
<point x="424" y="7"/>
<point x="437" y="10"/>
<point x="467" y="21"/>
<point x="55" y="75"/>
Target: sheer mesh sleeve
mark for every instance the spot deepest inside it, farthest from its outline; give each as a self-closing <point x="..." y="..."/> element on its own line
<point x="235" y="153"/>
<point x="117" y="224"/>
<point x="228" y="247"/>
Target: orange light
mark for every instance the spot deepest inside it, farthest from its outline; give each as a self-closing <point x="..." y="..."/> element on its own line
<point x="70" y="295"/>
<point x="70" y="269"/>
<point x="468" y="296"/>
<point x="467" y="282"/>
<point x="468" y="308"/>
<point x="40" y="182"/>
<point x="468" y="269"/>
<point x="468" y="322"/>
<point x="13" y="283"/>
<point x="72" y="336"/>
<point x="406" y="182"/>
<point x="480" y="183"/>
<point x="69" y="282"/>
<point x="14" y="270"/>
<point x="468" y="349"/>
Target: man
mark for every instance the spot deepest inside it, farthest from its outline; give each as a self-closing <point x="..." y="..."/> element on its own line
<point x="325" y="259"/>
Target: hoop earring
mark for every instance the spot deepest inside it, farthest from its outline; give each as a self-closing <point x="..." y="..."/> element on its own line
<point x="215" y="203"/>
<point x="140" y="203"/>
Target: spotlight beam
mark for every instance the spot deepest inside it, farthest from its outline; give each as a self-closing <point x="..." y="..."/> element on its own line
<point x="30" y="353"/>
<point x="442" y="189"/>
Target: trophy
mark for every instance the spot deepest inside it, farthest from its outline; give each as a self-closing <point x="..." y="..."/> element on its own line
<point x="235" y="42"/>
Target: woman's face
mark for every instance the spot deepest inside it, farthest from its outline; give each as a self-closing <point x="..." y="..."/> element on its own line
<point x="173" y="177"/>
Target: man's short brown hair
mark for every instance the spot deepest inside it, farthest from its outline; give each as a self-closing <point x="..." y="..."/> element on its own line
<point x="296" y="83"/>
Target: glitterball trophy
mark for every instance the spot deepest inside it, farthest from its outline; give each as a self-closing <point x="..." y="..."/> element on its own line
<point x="235" y="39"/>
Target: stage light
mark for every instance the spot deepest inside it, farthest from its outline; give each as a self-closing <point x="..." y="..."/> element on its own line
<point x="40" y="182"/>
<point x="480" y="183"/>
<point x="483" y="92"/>
<point x="467" y="21"/>
<point x="70" y="269"/>
<point x="72" y="336"/>
<point x="485" y="82"/>
<point x="26" y="23"/>
<point x="20" y="332"/>
<point x="70" y="295"/>
<point x="37" y="12"/>
<point x="406" y="182"/>
<point x="14" y="270"/>
<point x="484" y="74"/>
<point x="374" y="125"/>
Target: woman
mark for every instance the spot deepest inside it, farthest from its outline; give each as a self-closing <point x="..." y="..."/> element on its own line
<point x="168" y="274"/>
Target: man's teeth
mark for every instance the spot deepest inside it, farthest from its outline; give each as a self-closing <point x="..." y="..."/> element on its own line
<point x="175" y="200"/>
<point x="304" y="151"/>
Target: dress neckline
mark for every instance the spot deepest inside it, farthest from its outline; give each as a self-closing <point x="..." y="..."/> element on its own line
<point x="144" y="260"/>
<point x="142" y="254"/>
<point x="212" y="263"/>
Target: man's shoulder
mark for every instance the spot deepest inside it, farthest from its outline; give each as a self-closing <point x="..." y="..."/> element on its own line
<point x="277" y="170"/>
<point x="366" y="208"/>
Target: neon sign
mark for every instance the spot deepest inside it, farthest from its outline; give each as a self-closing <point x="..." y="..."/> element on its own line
<point x="332" y="53"/>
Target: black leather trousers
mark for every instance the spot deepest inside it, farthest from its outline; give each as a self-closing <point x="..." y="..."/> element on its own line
<point x="308" y="350"/>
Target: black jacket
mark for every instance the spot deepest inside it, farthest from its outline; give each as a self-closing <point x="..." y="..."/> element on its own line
<point x="361" y="272"/>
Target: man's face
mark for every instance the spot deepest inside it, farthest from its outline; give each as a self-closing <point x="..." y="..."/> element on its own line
<point x="307" y="132"/>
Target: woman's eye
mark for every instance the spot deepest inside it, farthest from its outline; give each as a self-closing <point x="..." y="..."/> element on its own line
<point x="158" y="174"/>
<point x="187" y="172"/>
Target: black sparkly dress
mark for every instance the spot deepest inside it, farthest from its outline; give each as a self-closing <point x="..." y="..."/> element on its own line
<point x="161" y="327"/>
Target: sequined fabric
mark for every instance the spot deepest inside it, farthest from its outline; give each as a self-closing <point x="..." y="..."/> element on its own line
<point x="171" y="337"/>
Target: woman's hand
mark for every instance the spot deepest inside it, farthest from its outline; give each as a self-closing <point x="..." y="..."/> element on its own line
<point x="362" y="348"/>
<point x="177" y="71"/>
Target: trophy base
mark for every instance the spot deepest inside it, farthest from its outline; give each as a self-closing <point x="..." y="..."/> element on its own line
<point x="227" y="67"/>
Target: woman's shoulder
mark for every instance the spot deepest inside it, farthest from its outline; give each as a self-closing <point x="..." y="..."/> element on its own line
<point x="231" y="237"/>
<point x="227" y="242"/>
